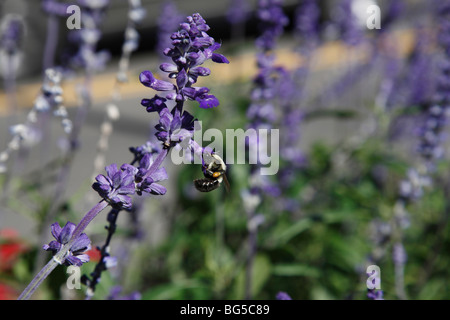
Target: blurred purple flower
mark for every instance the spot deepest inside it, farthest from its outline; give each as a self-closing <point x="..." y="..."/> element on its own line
<point x="307" y="17"/>
<point x="115" y="292"/>
<point x="283" y="296"/>
<point x="168" y="22"/>
<point x="272" y="21"/>
<point x="375" y="294"/>
<point x="238" y="11"/>
<point x="430" y="146"/>
<point x="12" y="31"/>
<point x="347" y="23"/>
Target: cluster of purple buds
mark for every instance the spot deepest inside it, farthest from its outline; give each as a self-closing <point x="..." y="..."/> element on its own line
<point x="120" y="183"/>
<point x="12" y="30"/>
<point x="168" y="22"/>
<point x="411" y="189"/>
<point x="54" y="7"/>
<point x="63" y="237"/>
<point x="347" y="23"/>
<point x="238" y="11"/>
<point x="140" y="151"/>
<point x="88" y="36"/>
<point x="430" y="146"/>
<point x="307" y="23"/>
<point x="191" y="47"/>
<point x="272" y="23"/>
<point x="136" y="13"/>
<point x="49" y="100"/>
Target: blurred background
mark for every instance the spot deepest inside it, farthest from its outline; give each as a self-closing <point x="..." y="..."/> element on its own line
<point x="365" y="98"/>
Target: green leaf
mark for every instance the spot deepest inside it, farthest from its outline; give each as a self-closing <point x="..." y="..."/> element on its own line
<point x="262" y="270"/>
<point x="291" y="270"/>
<point x="170" y="291"/>
<point x="292" y="231"/>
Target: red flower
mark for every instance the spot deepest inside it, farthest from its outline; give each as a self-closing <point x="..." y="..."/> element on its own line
<point x="11" y="248"/>
<point x="7" y="292"/>
<point x="94" y="254"/>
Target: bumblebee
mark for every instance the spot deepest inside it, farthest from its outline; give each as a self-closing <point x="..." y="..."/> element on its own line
<point x="214" y="173"/>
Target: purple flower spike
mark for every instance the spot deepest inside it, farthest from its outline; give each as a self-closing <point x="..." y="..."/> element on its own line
<point x="76" y="255"/>
<point x="116" y="186"/>
<point x="191" y="47"/>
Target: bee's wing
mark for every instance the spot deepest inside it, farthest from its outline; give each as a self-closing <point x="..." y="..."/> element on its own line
<point x="227" y="184"/>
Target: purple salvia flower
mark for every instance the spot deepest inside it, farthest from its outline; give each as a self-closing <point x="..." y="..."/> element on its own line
<point x="89" y="35"/>
<point x="238" y="11"/>
<point x="411" y="189"/>
<point x="347" y="23"/>
<point x="394" y="11"/>
<point x="145" y="182"/>
<point x="307" y="23"/>
<point x="156" y="103"/>
<point x="12" y="31"/>
<point x="148" y="80"/>
<point x="168" y="22"/>
<point x="173" y="127"/>
<point x="272" y="23"/>
<point x="399" y="255"/>
<point x="140" y="151"/>
<point x="76" y="254"/>
<point x="191" y="47"/>
<point x="430" y="146"/>
<point x="116" y="186"/>
<point x="261" y="112"/>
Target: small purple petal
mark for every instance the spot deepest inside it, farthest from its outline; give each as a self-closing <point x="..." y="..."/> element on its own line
<point x="208" y="101"/>
<point x="56" y="230"/>
<point x="148" y="80"/>
<point x="156" y="189"/>
<point x="182" y="79"/>
<point x="75" y="261"/>
<point x="159" y="174"/>
<point x="111" y="170"/>
<point x="66" y="233"/>
<point x="168" y="67"/>
<point x="218" y="58"/>
<point x="82" y="243"/>
<point x="200" y="71"/>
